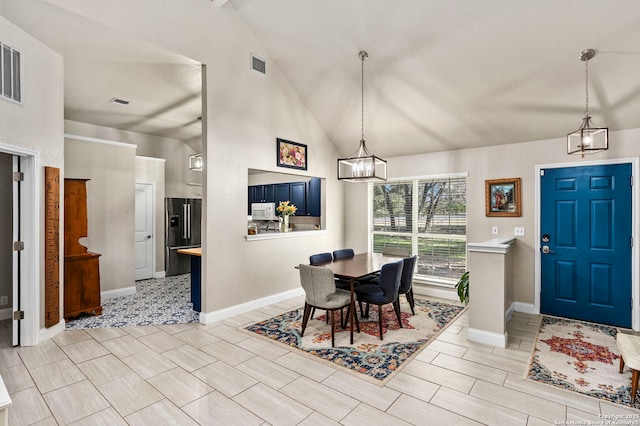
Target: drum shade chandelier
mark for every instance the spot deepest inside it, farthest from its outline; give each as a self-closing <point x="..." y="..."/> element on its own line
<point x="587" y="139"/>
<point x="362" y="166"/>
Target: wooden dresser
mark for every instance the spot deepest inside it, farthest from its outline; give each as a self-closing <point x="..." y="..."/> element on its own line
<point x="81" y="267"/>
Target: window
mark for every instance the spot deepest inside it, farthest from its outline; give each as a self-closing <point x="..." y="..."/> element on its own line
<point x="10" y="73"/>
<point x="427" y="216"/>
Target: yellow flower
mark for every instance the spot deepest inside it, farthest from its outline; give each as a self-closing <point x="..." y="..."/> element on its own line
<point x="286" y="208"/>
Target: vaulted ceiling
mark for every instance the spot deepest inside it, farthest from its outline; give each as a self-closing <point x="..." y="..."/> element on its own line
<point x="441" y="75"/>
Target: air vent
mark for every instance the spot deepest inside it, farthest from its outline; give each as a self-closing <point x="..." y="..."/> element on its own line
<point x="10" y="73"/>
<point x="119" y="101"/>
<point x="258" y="64"/>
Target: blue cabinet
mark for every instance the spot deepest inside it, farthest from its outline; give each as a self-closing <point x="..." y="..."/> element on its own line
<point x="298" y="197"/>
<point x="314" y="189"/>
<point x="304" y="195"/>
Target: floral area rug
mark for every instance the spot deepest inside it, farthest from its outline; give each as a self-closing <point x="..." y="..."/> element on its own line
<point x="580" y="357"/>
<point x="368" y="355"/>
<point x="156" y="301"/>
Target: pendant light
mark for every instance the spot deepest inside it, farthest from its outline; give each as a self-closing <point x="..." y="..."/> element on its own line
<point x="587" y="139"/>
<point x="362" y="166"/>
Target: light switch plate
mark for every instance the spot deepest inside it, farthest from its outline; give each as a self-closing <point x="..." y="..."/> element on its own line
<point x="494" y="230"/>
<point x="518" y="231"/>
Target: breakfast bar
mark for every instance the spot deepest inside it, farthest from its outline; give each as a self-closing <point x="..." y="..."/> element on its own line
<point x="196" y="263"/>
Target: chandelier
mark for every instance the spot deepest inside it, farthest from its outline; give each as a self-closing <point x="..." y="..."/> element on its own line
<point x="362" y="166"/>
<point x="588" y="139"/>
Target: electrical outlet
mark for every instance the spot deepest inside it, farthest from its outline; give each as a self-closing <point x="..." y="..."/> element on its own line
<point x="4" y="300"/>
<point x="494" y="230"/>
<point x="518" y="231"/>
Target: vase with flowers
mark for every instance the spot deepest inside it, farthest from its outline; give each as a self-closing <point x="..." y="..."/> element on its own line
<point x="285" y="209"/>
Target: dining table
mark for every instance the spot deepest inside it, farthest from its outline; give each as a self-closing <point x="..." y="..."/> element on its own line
<point x="353" y="268"/>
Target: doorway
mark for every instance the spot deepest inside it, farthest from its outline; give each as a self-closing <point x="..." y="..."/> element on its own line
<point x="585" y="242"/>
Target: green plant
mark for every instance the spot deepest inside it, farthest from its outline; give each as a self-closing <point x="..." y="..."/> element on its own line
<point x="463" y="288"/>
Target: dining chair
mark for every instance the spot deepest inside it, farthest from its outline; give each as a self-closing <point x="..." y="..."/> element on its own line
<point x="317" y="259"/>
<point x="321" y="292"/>
<point x="383" y="293"/>
<point x="343" y="253"/>
<point x="406" y="281"/>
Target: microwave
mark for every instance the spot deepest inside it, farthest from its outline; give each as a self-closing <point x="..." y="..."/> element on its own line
<point x="263" y="211"/>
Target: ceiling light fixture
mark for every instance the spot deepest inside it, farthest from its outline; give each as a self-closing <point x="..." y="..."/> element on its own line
<point x="587" y="139"/>
<point x="362" y="166"/>
<point x="195" y="162"/>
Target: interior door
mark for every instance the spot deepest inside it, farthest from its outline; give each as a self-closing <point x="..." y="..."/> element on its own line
<point x="144" y="241"/>
<point x="585" y="240"/>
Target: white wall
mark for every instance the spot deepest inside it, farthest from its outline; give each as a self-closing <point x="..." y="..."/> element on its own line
<point x="244" y="114"/>
<point x="174" y="151"/>
<point x="504" y="161"/>
<point x="110" y="169"/>
<point x="36" y="125"/>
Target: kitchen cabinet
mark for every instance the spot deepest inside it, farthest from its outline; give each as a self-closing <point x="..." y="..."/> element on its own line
<point x="305" y="196"/>
<point x="314" y="189"/>
<point x="261" y="194"/>
<point x="298" y="197"/>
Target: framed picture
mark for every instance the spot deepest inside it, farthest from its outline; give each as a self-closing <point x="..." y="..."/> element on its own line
<point x="291" y="154"/>
<point x="502" y="197"/>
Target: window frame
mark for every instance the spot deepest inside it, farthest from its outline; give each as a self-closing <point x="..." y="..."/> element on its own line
<point x="414" y="235"/>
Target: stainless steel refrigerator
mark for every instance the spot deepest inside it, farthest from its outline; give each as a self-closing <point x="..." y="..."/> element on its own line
<point x="182" y="230"/>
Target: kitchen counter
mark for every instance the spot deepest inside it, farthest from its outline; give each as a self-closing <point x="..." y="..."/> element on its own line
<point x="197" y="251"/>
<point x="276" y="235"/>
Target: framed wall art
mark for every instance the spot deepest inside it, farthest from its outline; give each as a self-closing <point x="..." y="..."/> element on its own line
<point x="502" y="197"/>
<point x="291" y="154"/>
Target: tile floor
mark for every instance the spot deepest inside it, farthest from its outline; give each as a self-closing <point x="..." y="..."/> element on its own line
<point x="188" y="374"/>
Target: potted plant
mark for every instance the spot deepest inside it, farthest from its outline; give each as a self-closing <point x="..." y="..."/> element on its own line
<point x="463" y="288"/>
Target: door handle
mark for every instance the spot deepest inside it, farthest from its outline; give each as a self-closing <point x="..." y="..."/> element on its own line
<point x="546" y="250"/>
<point x="148" y="237"/>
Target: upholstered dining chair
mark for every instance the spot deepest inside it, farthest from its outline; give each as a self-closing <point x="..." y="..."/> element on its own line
<point x="343" y="254"/>
<point x="321" y="292"/>
<point x="383" y="293"/>
<point x="317" y="259"/>
<point x="406" y="280"/>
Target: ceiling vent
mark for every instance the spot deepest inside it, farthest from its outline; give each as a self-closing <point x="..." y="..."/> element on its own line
<point x="10" y="73"/>
<point x="258" y="64"/>
<point x="119" y="101"/>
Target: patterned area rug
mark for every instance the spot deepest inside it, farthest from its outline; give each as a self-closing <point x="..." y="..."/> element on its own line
<point x="580" y="357"/>
<point x="368" y="355"/>
<point x="157" y="301"/>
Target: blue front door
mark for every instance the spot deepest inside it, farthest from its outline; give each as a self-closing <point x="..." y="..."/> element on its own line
<point x="585" y="240"/>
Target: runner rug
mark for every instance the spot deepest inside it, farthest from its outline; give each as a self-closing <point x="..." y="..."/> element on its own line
<point x="368" y="355"/>
<point x="580" y="357"/>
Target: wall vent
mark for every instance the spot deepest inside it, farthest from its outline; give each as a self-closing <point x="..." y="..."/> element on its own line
<point x="119" y="101"/>
<point x="10" y="73"/>
<point x="258" y="64"/>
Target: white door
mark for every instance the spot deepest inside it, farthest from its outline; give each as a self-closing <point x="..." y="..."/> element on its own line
<point x="144" y="241"/>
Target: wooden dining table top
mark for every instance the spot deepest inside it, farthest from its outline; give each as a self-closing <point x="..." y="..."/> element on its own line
<point x="359" y="265"/>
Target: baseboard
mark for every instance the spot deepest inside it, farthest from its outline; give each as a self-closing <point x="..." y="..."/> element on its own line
<point x="6" y="313"/>
<point x="509" y="313"/>
<point x="48" y="333"/>
<point x="110" y="294"/>
<point x="160" y="274"/>
<point x="487" y="337"/>
<point x="243" y="308"/>
<point x="525" y="308"/>
<point x="439" y="292"/>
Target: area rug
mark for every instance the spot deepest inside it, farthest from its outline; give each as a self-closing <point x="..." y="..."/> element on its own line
<point x="156" y="301"/>
<point x="580" y="357"/>
<point x="368" y="355"/>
